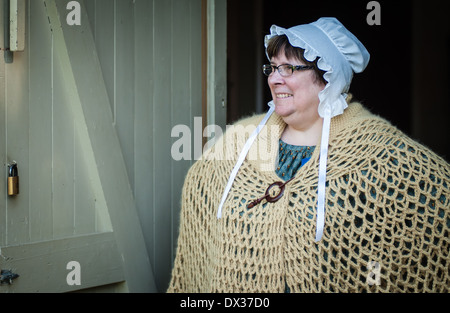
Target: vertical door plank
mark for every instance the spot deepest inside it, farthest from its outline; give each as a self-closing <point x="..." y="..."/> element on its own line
<point x="91" y="8"/>
<point x="162" y="98"/>
<point x="63" y="158"/>
<point x="193" y="107"/>
<point x="104" y="42"/>
<point x="196" y="58"/>
<point x="124" y="86"/>
<point x="84" y="192"/>
<point x="144" y="132"/>
<point x="41" y="58"/>
<point x="17" y="121"/>
<point x="3" y="160"/>
<point x="182" y="104"/>
<point x="220" y="62"/>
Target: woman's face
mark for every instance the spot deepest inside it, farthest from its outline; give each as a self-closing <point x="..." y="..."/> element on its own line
<point x="296" y="97"/>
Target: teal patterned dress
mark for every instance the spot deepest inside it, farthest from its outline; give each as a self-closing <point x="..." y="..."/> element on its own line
<point x="291" y="158"/>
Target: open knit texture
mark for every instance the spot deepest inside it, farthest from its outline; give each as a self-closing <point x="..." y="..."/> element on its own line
<point x="387" y="203"/>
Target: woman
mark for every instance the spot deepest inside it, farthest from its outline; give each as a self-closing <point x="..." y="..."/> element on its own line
<point x="386" y="197"/>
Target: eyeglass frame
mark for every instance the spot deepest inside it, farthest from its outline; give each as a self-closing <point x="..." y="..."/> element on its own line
<point x="292" y="67"/>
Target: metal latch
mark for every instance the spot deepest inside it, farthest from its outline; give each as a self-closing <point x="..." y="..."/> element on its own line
<point x="6" y="277"/>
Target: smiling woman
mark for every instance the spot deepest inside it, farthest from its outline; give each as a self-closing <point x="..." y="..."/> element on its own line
<point x="286" y="224"/>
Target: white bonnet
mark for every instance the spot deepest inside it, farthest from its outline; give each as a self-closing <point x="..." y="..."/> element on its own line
<point x="341" y="54"/>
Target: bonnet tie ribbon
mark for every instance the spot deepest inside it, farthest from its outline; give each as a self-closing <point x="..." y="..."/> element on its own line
<point x="320" y="218"/>
<point x="242" y="156"/>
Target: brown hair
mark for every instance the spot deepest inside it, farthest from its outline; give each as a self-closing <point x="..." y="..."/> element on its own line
<point x="278" y="44"/>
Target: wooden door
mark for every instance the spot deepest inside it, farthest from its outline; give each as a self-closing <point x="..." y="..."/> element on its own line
<point x="86" y="110"/>
<point x="74" y="224"/>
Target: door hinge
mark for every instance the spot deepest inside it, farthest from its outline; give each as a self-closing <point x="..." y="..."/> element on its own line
<point x="7" y="277"/>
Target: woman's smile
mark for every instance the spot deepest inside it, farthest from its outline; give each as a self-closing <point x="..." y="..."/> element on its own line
<point x="283" y="95"/>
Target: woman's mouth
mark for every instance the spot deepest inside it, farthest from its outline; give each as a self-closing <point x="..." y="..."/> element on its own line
<point x="283" y="95"/>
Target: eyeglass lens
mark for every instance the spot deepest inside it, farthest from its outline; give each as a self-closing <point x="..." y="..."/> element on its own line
<point x="284" y="70"/>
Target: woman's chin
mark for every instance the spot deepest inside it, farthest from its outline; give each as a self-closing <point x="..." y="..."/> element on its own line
<point x="282" y="111"/>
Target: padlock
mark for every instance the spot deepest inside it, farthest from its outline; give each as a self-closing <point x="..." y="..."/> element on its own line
<point x="13" y="180"/>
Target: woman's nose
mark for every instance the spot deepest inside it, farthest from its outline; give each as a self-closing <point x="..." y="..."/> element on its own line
<point x="275" y="78"/>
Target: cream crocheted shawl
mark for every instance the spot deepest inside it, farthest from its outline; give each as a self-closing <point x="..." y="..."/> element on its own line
<point x="386" y="226"/>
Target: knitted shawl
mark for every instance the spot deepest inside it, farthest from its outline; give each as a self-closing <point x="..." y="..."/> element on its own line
<point x="386" y="226"/>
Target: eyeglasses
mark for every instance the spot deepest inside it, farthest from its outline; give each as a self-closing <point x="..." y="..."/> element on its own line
<point x="285" y="70"/>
